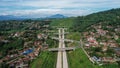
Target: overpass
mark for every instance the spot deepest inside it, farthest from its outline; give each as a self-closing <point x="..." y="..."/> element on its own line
<point x="67" y="40"/>
<point x="62" y="49"/>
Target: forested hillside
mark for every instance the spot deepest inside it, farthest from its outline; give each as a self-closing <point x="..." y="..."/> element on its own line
<point x="110" y="17"/>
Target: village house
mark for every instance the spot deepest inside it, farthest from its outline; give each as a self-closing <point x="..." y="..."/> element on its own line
<point x="31" y="56"/>
<point x="92" y="41"/>
<point x="107" y="59"/>
<point x="104" y="48"/>
<point x="101" y="32"/>
<point x="117" y="51"/>
<point x="96" y="59"/>
<point x="87" y="45"/>
<point x="40" y="36"/>
<point x="17" y="34"/>
<point x="37" y="43"/>
<point x="112" y="43"/>
<point x="21" y="63"/>
<point x="117" y="29"/>
<point x="108" y="36"/>
<point x="116" y="37"/>
<point x="44" y="46"/>
<point x="46" y="26"/>
<point x="1" y="60"/>
<point x="37" y="51"/>
<point x="28" y="44"/>
<point x="28" y="55"/>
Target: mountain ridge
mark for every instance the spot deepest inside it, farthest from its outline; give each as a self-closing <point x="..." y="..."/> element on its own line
<point x="57" y="16"/>
<point x="12" y="17"/>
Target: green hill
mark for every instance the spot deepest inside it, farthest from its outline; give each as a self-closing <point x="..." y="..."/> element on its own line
<point x="110" y="17"/>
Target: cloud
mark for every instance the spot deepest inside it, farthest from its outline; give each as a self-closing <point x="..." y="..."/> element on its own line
<point x="48" y="7"/>
<point x="47" y="12"/>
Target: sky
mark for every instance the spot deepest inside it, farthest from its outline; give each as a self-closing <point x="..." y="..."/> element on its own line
<point x="44" y="8"/>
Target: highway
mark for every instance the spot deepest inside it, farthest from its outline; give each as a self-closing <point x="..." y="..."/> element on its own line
<point x="62" y="56"/>
<point x="65" y="62"/>
<point x="62" y="61"/>
<point x="59" y="56"/>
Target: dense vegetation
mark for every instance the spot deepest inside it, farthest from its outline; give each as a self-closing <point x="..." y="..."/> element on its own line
<point x="14" y="25"/>
<point x="111" y="17"/>
<point x="66" y="22"/>
<point x="14" y="44"/>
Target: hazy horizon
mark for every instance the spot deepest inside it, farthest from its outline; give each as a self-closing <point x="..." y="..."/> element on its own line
<point x="43" y="8"/>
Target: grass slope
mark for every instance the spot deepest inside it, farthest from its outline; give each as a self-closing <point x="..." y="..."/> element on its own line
<point x="77" y="59"/>
<point x="44" y="60"/>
